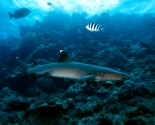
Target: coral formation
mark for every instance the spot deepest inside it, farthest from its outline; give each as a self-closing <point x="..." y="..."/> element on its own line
<point x="126" y="44"/>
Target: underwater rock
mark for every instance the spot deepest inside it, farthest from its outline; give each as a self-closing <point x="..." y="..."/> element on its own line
<point x="17" y="83"/>
<point x="126" y="102"/>
<point x="23" y="30"/>
<point x="2" y="85"/>
<point x="136" y="51"/>
<point x="111" y="57"/>
<point x="110" y="119"/>
<point x="111" y="99"/>
<point x="145" y="109"/>
<point x="89" y="121"/>
<point x="101" y="92"/>
<point x="11" y="116"/>
<point x="44" y="52"/>
<point x="89" y="90"/>
<point x="33" y="91"/>
<point x="46" y="85"/>
<point x="107" y="84"/>
<point x="51" y="36"/>
<point x="119" y="82"/>
<point x="132" y="112"/>
<point x="80" y="110"/>
<point x="18" y="105"/>
<point x="28" y="44"/>
<point x="49" y="110"/>
<point x="3" y="119"/>
<point x="137" y="121"/>
<point x="130" y="89"/>
<point x="69" y="103"/>
<point x="87" y="108"/>
<point x="6" y="91"/>
<point x="116" y="42"/>
<point x="73" y="91"/>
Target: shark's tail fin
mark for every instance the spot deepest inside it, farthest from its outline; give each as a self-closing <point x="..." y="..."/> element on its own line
<point x="24" y="66"/>
<point x="11" y="15"/>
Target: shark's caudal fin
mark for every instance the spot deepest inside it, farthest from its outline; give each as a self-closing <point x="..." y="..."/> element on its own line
<point x="10" y="15"/>
<point x="24" y="66"/>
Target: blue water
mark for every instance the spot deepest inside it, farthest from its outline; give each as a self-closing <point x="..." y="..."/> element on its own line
<point x="40" y="9"/>
<point x="127" y="44"/>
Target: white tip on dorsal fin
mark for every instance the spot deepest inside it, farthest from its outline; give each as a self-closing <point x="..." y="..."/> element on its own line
<point x="64" y="57"/>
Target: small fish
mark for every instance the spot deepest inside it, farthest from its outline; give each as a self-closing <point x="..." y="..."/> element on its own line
<point x="94" y="27"/>
<point x="151" y="25"/>
<point x="20" y="13"/>
<point x="48" y="3"/>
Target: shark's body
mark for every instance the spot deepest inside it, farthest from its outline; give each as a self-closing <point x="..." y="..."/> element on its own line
<point x="65" y="68"/>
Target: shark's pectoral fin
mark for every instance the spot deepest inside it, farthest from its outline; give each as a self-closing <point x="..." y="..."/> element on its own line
<point x="87" y="78"/>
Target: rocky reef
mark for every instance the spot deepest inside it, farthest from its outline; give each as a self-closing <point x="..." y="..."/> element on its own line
<point x="126" y="44"/>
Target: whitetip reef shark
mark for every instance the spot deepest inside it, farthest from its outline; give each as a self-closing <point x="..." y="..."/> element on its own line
<point x="65" y="68"/>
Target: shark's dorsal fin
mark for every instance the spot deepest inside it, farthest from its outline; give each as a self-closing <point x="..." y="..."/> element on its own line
<point x="64" y="57"/>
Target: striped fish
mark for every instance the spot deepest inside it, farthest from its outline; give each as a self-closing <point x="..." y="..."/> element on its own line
<point x="94" y="27"/>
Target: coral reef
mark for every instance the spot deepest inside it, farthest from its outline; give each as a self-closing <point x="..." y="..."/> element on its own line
<point x="126" y="44"/>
